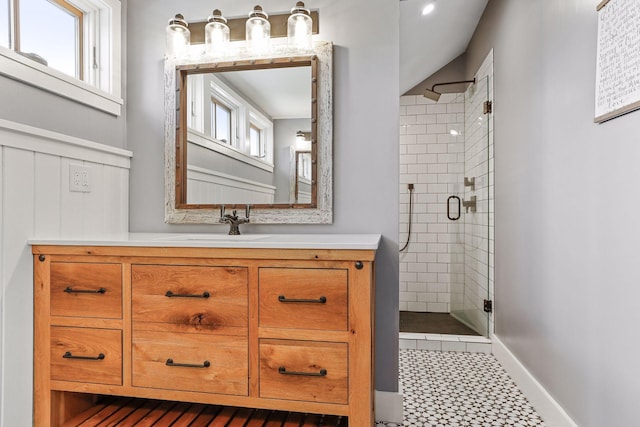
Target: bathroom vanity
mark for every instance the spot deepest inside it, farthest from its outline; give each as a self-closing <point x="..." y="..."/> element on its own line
<point x="280" y="322"/>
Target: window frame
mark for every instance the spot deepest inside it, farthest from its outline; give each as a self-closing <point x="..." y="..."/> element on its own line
<point x="102" y="87"/>
<point x="15" y="38"/>
<point x="265" y="126"/>
<point x="261" y="145"/>
<point x="215" y="103"/>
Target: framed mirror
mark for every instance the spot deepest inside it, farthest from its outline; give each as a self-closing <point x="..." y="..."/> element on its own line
<point x="253" y="131"/>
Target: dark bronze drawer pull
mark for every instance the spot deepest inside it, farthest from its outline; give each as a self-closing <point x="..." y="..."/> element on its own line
<point x="172" y="295"/>
<point x="68" y="355"/>
<point x="321" y="300"/>
<point x="322" y="373"/>
<point x="205" y="364"/>
<point x="70" y="290"/>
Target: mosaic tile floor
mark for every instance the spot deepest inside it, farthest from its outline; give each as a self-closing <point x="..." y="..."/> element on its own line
<point x="460" y="389"/>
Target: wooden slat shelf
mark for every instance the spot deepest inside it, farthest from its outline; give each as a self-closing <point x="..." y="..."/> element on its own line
<point x="128" y="412"/>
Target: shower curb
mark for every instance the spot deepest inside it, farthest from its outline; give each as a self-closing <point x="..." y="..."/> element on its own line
<point x="443" y="342"/>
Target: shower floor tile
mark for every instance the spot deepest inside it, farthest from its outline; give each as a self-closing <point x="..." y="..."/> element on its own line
<point x="437" y="323"/>
<point x="460" y="389"/>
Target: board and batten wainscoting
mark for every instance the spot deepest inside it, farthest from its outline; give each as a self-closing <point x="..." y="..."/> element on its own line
<point x="36" y="202"/>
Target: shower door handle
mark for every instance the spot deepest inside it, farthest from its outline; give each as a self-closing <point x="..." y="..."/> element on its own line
<point x="449" y="208"/>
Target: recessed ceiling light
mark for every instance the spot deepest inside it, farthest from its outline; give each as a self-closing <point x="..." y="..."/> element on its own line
<point x="454" y="132"/>
<point x="428" y="9"/>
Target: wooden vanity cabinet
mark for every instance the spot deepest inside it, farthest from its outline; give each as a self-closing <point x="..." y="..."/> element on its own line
<point x="282" y="329"/>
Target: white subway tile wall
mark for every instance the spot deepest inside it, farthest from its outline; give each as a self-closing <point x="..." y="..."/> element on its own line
<point x="441" y="144"/>
<point x="432" y="159"/>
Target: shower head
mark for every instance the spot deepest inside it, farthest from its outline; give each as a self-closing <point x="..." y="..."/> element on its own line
<point x="432" y="95"/>
<point x="435" y="96"/>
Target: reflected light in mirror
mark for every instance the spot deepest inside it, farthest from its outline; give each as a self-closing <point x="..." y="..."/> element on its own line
<point x="303" y="143"/>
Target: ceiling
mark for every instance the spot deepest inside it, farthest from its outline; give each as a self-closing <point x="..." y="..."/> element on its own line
<point x="428" y="43"/>
<point x="282" y="93"/>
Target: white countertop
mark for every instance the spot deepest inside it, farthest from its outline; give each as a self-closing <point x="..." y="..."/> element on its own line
<point x="196" y="240"/>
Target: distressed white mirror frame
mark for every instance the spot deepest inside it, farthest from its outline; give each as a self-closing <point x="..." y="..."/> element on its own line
<point x="323" y="213"/>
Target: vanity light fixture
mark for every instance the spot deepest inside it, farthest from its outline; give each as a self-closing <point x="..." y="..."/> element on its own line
<point x="178" y="37"/>
<point x="258" y="31"/>
<point x="216" y="35"/>
<point x="299" y="28"/>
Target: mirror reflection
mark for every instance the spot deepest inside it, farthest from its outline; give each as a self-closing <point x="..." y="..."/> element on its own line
<point x="249" y="137"/>
<point x="302" y="192"/>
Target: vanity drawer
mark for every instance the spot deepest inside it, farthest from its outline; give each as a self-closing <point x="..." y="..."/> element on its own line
<point x="86" y="290"/>
<point x="215" y="363"/>
<point x="304" y="370"/>
<point x="86" y="355"/>
<point x="303" y="298"/>
<point x="194" y="298"/>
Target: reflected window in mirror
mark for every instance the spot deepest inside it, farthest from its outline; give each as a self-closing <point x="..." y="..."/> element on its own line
<point x="257" y="142"/>
<point x="304" y="166"/>
<point x="220" y="121"/>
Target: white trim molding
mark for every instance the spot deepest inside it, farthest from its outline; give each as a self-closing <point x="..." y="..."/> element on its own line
<point x="211" y="185"/>
<point x="545" y="405"/>
<point x="202" y="140"/>
<point x="388" y="406"/>
<point x="48" y="142"/>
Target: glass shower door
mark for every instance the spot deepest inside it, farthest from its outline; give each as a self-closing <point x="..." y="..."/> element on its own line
<point x="470" y="289"/>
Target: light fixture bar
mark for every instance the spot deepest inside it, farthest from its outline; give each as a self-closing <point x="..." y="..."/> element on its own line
<point x="237" y="27"/>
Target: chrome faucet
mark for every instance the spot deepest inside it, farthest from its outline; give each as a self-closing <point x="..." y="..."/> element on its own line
<point x="233" y="219"/>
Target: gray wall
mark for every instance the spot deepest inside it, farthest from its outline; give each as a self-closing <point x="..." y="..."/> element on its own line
<point x="566" y="195"/>
<point x="29" y="105"/>
<point x="366" y="108"/>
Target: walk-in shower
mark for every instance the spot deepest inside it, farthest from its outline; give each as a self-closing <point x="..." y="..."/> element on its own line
<point x="446" y="187"/>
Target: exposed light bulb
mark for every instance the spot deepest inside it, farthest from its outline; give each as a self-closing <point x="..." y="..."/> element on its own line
<point x="299" y="27"/>
<point x="217" y="35"/>
<point x="428" y="9"/>
<point x="178" y="37"/>
<point x="258" y="31"/>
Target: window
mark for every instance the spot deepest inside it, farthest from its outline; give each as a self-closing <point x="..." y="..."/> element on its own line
<point x="52" y="44"/>
<point x="220" y="121"/>
<point x="4" y="23"/>
<point x="50" y="32"/>
<point x="304" y="165"/>
<point x="260" y="138"/>
<point x="256" y="141"/>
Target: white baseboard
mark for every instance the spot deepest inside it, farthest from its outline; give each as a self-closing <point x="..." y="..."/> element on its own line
<point x="544" y="404"/>
<point x="388" y="406"/>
